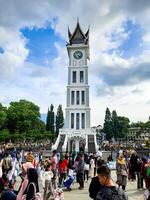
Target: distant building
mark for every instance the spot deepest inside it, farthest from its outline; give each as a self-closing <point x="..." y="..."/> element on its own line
<point x="136" y="134"/>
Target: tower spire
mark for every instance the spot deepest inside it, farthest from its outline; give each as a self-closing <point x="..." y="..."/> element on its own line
<point x="69" y="33"/>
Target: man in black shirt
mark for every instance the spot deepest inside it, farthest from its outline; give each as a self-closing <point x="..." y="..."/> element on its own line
<point x="95" y="185"/>
<point x="109" y="191"/>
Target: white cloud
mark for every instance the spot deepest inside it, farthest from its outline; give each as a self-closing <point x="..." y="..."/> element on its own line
<point x="146" y="37"/>
<point x="15" y="53"/>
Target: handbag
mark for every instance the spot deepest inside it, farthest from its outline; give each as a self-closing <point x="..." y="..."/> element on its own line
<point x="123" y="172"/>
<point x="37" y="195"/>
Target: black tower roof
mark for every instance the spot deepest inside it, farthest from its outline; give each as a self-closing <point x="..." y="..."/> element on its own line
<point x="78" y="37"/>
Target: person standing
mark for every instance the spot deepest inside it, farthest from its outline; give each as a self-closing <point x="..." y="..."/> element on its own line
<point x="92" y="166"/>
<point x="54" y="165"/>
<point x="30" y="157"/>
<point x="86" y="167"/>
<point x="80" y="172"/>
<point x="32" y="189"/>
<point x="95" y="185"/>
<point x="7" y="163"/>
<point x="63" y="168"/>
<point x="121" y="170"/>
<point x="47" y="183"/>
<point x="25" y="167"/>
<point x="108" y="190"/>
<point x="132" y="166"/>
<point x="1" y="162"/>
<point x="136" y="164"/>
<point x="147" y="175"/>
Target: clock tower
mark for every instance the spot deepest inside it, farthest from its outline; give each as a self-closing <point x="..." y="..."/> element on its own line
<point x="77" y="133"/>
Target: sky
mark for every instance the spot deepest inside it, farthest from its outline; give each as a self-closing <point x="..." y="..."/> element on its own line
<point x="34" y="60"/>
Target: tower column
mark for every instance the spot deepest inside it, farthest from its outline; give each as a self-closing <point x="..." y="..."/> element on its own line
<point x="96" y="146"/>
<point x="69" y="145"/>
<point x="86" y="143"/>
<point x="64" y="147"/>
<point x="77" y="145"/>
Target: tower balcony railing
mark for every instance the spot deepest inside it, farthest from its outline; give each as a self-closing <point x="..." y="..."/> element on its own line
<point x="67" y="131"/>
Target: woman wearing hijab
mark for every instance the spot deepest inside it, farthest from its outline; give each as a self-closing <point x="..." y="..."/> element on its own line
<point x="121" y="170"/>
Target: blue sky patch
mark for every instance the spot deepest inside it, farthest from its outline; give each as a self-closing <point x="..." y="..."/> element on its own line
<point x="1" y="50"/>
<point x="41" y="44"/>
<point x="132" y="46"/>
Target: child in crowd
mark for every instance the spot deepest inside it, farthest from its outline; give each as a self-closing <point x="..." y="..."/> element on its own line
<point x="47" y="182"/>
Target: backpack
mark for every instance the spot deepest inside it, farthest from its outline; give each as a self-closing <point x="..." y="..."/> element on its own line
<point x="148" y="171"/>
<point x="7" y="163"/>
<point x="111" y="193"/>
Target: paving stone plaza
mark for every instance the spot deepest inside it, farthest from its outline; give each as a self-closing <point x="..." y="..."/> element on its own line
<point x="76" y="194"/>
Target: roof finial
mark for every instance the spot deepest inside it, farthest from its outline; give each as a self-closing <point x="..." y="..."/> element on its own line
<point x="69" y="33"/>
<point x="87" y="33"/>
<point x="77" y="20"/>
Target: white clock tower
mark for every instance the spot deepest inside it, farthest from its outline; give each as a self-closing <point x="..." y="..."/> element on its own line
<point x="77" y="133"/>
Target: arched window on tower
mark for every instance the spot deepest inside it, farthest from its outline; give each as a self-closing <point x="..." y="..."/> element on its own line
<point x="77" y="97"/>
<point x="74" y="76"/>
<point x="72" y="97"/>
<point x="81" y="76"/>
<point x="83" y="120"/>
<point x="77" y="121"/>
<point x="72" y="120"/>
<point x="82" y="97"/>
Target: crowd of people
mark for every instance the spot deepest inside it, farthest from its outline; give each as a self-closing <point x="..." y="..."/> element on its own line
<point x="61" y="170"/>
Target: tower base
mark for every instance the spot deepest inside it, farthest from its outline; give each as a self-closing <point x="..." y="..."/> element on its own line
<point x="76" y="140"/>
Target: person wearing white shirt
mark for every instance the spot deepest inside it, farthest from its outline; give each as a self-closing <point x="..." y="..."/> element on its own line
<point x="47" y="182"/>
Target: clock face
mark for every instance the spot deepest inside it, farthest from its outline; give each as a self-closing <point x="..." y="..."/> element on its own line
<point x="78" y="54"/>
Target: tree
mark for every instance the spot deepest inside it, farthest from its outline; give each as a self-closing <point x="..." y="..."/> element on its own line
<point x="50" y="120"/>
<point x="137" y="124"/>
<point x="3" y="117"/>
<point x="4" y="135"/>
<point x="115" y="124"/>
<point x="140" y="127"/>
<point x="123" y="126"/>
<point x="108" y="125"/>
<point x="147" y="125"/>
<point x="59" y="119"/>
<point x="23" y="116"/>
